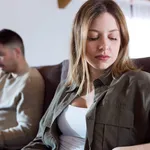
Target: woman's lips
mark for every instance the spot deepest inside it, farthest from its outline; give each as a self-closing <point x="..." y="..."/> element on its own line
<point x="102" y="57"/>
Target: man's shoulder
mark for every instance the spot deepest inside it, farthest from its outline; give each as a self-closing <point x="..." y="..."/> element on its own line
<point x="34" y="73"/>
<point x="35" y="76"/>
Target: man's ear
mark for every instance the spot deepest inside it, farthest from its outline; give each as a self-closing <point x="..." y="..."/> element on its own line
<point x="18" y="52"/>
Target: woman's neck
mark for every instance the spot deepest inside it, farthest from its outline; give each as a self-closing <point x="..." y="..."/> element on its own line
<point x="94" y="74"/>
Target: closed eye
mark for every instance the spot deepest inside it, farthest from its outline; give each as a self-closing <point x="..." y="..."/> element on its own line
<point x="113" y="39"/>
<point x="93" y="38"/>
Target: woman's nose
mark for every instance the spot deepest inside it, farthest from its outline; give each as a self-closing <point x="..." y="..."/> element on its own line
<point x="103" y="44"/>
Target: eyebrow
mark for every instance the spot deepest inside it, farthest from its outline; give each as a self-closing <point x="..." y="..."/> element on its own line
<point x="114" y="30"/>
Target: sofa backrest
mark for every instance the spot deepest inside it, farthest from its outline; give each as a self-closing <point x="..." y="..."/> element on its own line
<point x="53" y="74"/>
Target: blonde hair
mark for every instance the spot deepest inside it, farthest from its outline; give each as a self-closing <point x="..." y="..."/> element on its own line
<point x="78" y="68"/>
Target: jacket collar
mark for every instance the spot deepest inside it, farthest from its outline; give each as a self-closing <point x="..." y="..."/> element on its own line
<point x="104" y="79"/>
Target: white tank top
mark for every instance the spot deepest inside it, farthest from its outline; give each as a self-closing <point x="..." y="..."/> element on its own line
<point x="72" y="124"/>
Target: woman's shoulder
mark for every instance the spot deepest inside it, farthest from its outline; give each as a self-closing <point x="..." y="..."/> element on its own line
<point x="138" y="75"/>
<point x="63" y="86"/>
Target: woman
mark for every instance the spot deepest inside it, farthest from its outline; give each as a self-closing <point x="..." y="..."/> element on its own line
<point x="104" y="103"/>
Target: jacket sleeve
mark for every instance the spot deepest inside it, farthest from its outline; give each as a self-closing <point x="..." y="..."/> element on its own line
<point x="38" y="143"/>
<point x="142" y="105"/>
<point x="146" y="106"/>
<point x="28" y="114"/>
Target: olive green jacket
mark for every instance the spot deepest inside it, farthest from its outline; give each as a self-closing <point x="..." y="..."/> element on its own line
<point x="119" y="115"/>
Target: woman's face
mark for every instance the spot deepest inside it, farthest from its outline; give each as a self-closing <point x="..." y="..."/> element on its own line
<point x="103" y="42"/>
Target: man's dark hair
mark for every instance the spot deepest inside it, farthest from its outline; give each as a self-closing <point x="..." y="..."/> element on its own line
<point x="9" y="37"/>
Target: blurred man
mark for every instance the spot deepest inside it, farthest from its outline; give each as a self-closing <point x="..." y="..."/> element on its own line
<point x="21" y="93"/>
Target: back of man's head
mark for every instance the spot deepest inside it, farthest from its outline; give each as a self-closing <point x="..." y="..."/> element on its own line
<point x="11" y="38"/>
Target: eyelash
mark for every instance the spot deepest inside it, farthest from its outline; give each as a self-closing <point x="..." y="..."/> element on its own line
<point x="94" y="39"/>
<point x="114" y="39"/>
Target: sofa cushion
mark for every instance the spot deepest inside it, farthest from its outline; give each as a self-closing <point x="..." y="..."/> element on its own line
<point x="51" y="75"/>
<point x="143" y="63"/>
